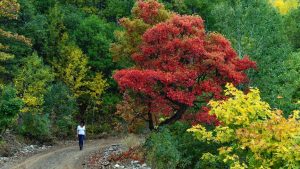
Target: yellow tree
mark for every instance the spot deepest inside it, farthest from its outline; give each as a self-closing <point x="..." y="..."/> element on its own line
<point x="284" y="6"/>
<point x="251" y="134"/>
<point x="72" y="68"/>
<point x="31" y="82"/>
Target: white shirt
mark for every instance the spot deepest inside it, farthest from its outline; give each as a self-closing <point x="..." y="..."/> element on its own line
<point x="81" y="130"/>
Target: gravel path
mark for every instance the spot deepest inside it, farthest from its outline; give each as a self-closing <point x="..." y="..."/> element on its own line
<point x="62" y="158"/>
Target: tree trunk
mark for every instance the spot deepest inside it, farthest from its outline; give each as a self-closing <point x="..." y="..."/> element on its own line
<point x="150" y="119"/>
<point x="175" y="117"/>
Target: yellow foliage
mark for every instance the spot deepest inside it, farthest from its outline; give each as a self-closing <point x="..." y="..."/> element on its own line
<point x="284" y="6"/>
<point x="73" y="70"/>
<point x="9" y="8"/>
<point x="240" y="109"/>
<point x="251" y="130"/>
<point x="97" y="86"/>
<point x="277" y="137"/>
<point x="31" y="83"/>
<point x="201" y="133"/>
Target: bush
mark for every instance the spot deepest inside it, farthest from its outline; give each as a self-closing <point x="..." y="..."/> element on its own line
<point x="60" y="106"/>
<point x="96" y="129"/>
<point x="35" y="126"/>
<point x="162" y="152"/>
<point x="173" y="147"/>
<point x="251" y="134"/>
<point x="10" y="106"/>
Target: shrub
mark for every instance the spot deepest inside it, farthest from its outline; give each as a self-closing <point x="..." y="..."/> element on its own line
<point x="174" y="145"/>
<point x="60" y="106"/>
<point x="162" y="152"/>
<point x="251" y="134"/>
<point x="10" y="106"/>
<point x="35" y="126"/>
<point x="96" y="129"/>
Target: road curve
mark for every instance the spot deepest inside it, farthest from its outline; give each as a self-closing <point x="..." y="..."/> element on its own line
<point x="64" y="158"/>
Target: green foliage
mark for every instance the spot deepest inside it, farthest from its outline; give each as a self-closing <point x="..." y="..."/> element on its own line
<point x="56" y="30"/>
<point x="36" y="28"/>
<point x="93" y="36"/>
<point x="98" y="128"/>
<point x="202" y="8"/>
<point x="60" y="105"/>
<point x="10" y="106"/>
<point x="9" y="40"/>
<point x="292" y="27"/>
<point x="35" y="126"/>
<point x="108" y="104"/>
<point x="173" y="147"/>
<point x="290" y="88"/>
<point x="257" y="30"/>
<point x="5" y="58"/>
<point x="72" y="17"/>
<point x="162" y="152"/>
<point x="116" y="9"/>
<point x="74" y="36"/>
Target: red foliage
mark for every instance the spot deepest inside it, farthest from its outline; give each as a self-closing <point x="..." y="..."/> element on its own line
<point x="147" y="10"/>
<point x="179" y="64"/>
<point x="203" y="117"/>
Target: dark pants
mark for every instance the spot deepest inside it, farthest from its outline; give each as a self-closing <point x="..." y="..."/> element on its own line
<point x="80" y="138"/>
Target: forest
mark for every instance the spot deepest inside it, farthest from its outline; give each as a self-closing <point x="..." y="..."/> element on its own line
<point x="211" y="83"/>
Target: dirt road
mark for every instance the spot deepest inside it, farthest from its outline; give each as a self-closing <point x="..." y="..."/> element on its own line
<point x="62" y="158"/>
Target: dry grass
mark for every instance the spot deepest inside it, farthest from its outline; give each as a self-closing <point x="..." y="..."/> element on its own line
<point x="133" y="140"/>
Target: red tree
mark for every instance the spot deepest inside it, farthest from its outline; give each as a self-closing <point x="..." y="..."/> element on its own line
<point x="179" y="66"/>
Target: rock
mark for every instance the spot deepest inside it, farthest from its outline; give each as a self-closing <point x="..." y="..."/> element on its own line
<point x="4" y="159"/>
<point x="105" y="163"/>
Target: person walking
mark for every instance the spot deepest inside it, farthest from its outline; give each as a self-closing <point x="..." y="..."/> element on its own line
<point x="81" y="134"/>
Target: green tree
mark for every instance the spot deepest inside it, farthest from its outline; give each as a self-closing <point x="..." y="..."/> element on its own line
<point x="94" y="36"/>
<point x="9" y="10"/>
<point x="56" y="31"/>
<point x="292" y="27"/>
<point x="35" y="127"/>
<point x="36" y="28"/>
<point x="10" y="106"/>
<point x="116" y="9"/>
<point x="290" y="79"/>
<point x="31" y="81"/>
<point x="60" y="105"/>
<point x="199" y="7"/>
<point x="256" y="29"/>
